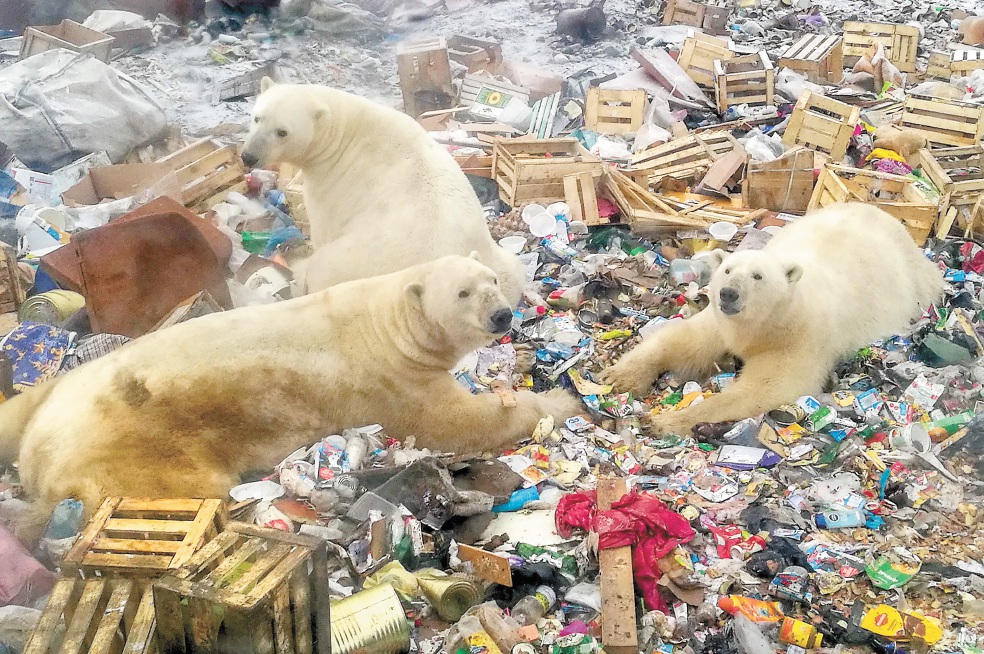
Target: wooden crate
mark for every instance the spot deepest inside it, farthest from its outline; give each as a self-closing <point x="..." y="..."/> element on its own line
<point x="266" y="590"/>
<point x="684" y="158"/>
<point x="580" y="196"/>
<point x="894" y="194"/>
<point x="614" y="112"/>
<point x="424" y="68"/>
<point x="819" y="57"/>
<point x="143" y="537"/>
<point x="744" y="80"/>
<point x="944" y="122"/>
<point x="207" y="172"/>
<point x="783" y="184"/>
<point x="881" y="112"/>
<point x="247" y="84"/>
<point x="698" y="54"/>
<point x="684" y="12"/>
<point x="947" y="64"/>
<point x="821" y="124"/>
<point x="67" y="35"/>
<point x="533" y="170"/>
<point x="475" y="54"/>
<point x="900" y="42"/>
<point x="958" y="173"/>
<point x="101" y="616"/>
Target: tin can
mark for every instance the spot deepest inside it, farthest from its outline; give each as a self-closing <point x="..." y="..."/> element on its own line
<point x="51" y="308"/>
<point x="450" y="595"/>
<point x="370" y="621"/>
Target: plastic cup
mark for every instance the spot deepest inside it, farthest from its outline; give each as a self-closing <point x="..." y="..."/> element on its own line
<point x="531" y="211"/>
<point x="772" y="230"/>
<point x="558" y="209"/>
<point x="543" y="225"/>
<point x="513" y="244"/>
<point x="723" y="231"/>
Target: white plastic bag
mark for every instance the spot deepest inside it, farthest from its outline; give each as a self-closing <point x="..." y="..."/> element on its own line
<point x="652" y="131"/>
<point x="58" y="106"/>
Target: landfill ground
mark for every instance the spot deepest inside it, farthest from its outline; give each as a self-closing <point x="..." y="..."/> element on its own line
<point x="848" y="520"/>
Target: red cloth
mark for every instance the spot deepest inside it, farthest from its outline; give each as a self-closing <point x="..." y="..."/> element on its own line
<point x="637" y="519"/>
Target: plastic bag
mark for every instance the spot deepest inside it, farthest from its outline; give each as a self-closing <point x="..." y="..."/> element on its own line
<point x="652" y="133"/>
<point x="791" y="84"/>
<point x="111" y="20"/>
<point x="58" y="106"/>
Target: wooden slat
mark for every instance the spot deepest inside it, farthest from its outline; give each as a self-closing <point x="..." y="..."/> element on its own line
<point x="91" y="531"/>
<point x="218" y="578"/>
<point x="40" y="639"/>
<point x="137" y="526"/>
<point x="263" y="564"/>
<point x="300" y="600"/>
<point x="141" y="635"/>
<point x="197" y="564"/>
<point x="618" y="626"/>
<point x="283" y="625"/>
<point x="126" y="505"/>
<point x="208" y="513"/>
<point x="127" y="561"/>
<point x="170" y="620"/>
<point x="112" y="616"/>
<point x="80" y="629"/>
<point x="104" y="544"/>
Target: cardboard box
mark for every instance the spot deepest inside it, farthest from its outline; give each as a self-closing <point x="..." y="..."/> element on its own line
<point x="117" y="182"/>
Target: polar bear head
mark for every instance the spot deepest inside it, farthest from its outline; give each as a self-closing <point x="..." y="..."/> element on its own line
<point x="461" y="298"/>
<point x="752" y="285"/>
<point x="290" y="123"/>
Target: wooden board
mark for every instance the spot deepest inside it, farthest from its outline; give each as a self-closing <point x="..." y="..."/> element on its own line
<point x="614" y="112"/>
<point x="580" y="196"/>
<point x="618" y="610"/>
<point x="486" y="565"/>
<point x="821" y="124"/>
<point x="684" y="158"/>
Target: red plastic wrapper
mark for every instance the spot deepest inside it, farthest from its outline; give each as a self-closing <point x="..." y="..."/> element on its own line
<point x="637" y="519"/>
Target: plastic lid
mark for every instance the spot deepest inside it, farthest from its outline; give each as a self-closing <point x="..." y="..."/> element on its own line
<point x="820" y="520"/>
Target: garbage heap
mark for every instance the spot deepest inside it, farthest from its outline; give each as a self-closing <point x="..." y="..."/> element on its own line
<point x="848" y="520"/>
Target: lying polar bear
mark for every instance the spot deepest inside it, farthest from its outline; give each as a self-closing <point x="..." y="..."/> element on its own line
<point x="381" y="195"/>
<point x="827" y="285"/>
<point x="184" y="411"/>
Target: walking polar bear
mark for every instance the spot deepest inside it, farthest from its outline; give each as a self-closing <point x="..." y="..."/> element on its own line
<point x="824" y="287"/>
<point x="380" y="194"/>
<point x="183" y="412"/>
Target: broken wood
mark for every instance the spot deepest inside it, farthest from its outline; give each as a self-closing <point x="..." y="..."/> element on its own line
<point x="618" y="610"/>
<point x="580" y="196"/>
<point x="486" y="565"/>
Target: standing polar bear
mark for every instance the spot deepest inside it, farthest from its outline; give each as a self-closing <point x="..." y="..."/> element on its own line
<point x="825" y="286"/>
<point x="183" y="412"/>
<point x="381" y="195"/>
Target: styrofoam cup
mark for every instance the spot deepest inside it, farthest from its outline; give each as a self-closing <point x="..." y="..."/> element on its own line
<point x="513" y="244"/>
<point x="543" y="225"/>
<point x="723" y="231"/>
<point x="531" y="211"/>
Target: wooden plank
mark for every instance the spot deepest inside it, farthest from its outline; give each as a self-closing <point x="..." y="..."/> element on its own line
<point x="283" y="626"/>
<point x="278" y="575"/>
<point x="112" y="616"/>
<point x="618" y="615"/>
<point x="300" y="601"/>
<point x="211" y="161"/>
<point x="153" y="506"/>
<point x="142" y="633"/>
<point x="134" y="546"/>
<point x="40" y="639"/>
<point x="322" y="605"/>
<point x="263" y="564"/>
<point x="219" y="577"/>
<point x="170" y="620"/>
<point x="201" y="559"/>
<point x="488" y="565"/>
<point x="91" y="531"/>
<point x="80" y="629"/>
<point x="131" y="562"/>
<point x="138" y="526"/>
<point x="209" y="513"/>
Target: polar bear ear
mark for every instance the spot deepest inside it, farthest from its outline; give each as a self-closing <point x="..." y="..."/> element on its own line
<point x="266" y="83"/>
<point x="794" y="272"/>
<point x="415" y="292"/>
<point x="474" y="255"/>
<point x="717" y="257"/>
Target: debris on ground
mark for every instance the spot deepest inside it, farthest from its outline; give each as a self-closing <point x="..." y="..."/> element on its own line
<point x="619" y="148"/>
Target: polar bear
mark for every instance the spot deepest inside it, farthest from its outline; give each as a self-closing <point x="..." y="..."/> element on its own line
<point x="825" y="286"/>
<point x="380" y="193"/>
<point x="183" y="412"/>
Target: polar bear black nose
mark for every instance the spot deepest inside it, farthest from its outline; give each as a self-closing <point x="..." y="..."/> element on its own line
<point x="501" y="320"/>
<point x="729" y="295"/>
<point x="250" y="159"/>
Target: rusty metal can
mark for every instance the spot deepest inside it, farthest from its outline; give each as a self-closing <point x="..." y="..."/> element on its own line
<point x="370" y="621"/>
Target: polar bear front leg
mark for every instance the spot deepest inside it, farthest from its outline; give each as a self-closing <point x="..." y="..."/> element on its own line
<point x="689" y="347"/>
<point x="765" y="382"/>
<point x="461" y="422"/>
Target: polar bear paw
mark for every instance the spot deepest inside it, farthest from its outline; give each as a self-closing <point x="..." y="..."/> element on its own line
<point x="628" y="375"/>
<point x="560" y="404"/>
<point x="671" y="422"/>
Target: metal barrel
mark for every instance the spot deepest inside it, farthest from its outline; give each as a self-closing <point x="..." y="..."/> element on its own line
<point x="370" y="622"/>
<point x="51" y="308"/>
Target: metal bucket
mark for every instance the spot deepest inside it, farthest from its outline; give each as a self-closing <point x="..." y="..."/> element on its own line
<point x="51" y="308"/>
<point x="369" y="622"/>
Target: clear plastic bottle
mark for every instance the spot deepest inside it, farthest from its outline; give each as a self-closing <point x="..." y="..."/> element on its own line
<point x="533" y="607"/>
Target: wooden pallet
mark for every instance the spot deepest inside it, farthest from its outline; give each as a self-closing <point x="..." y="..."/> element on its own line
<point x="944" y="122"/>
<point x="749" y="79"/>
<point x="614" y="112"/>
<point x="821" y="124"/>
<point x="698" y="55"/>
<point x="819" y="57"/>
<point x="207" y="172"/>
<point x="947" y="64"/>
<point x="684" y="158"/>
<point x="580" y="196"/>
<point x="958" y="173"/>
<point x="264" y="589"/>
<point x="101" y="616"/>
<point x="900" y="42"/>
<point x="894" y="194"/>
<point x="142" y="537"/>
<point x="533" y="170"/>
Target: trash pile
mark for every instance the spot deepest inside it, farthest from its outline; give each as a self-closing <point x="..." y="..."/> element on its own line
<point x="848" y="520"/>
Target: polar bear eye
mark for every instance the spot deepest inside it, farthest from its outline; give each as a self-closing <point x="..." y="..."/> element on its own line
<point x="282" y="133"/>
<point x="757" y="277"/>
<point x="463" y="294"/>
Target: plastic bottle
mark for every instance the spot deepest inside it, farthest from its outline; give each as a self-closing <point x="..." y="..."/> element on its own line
<point x="797" y="632"/>
<point x="355" y="451"/>
<point x="533" y="607"/>
<point x="750" y="608"/>
<point x="840" y="518"/>
<point x="66" y="520"/>
<point x="517" y="499"/>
